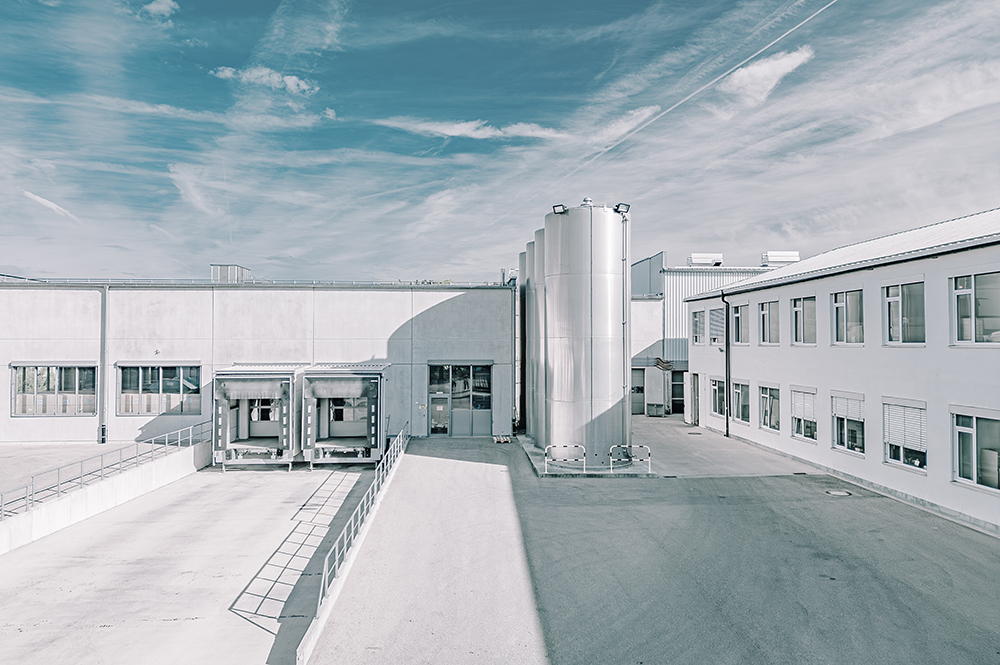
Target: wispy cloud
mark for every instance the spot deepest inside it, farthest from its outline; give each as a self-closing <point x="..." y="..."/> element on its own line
<point x="751" y="85"/>
<point x="267" y="77"/>
<point x="473" y="129"/>
<point x="162" y="8"/>
<point x="51" y="206"/>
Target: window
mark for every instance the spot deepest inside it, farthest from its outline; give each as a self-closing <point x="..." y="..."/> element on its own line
<point x="904" y="429"/>
<point x="718" y="397"/>
<point x="152" y="390"/>
<point x="698" y="327"/>
<point x="741" y="325"/>
<point x="849" y="423"/>
<point x="848" y="317"/>
<point x="716" y="326"/>
<point x="55" y="391"/>
<point x="804" y="414"/>
<point x="978" y="442"/>
<point x="266" y="410"/>
<point x="804" y="320"/>
<point x="741" y="402"/>
<point x="345" y="409"/>
<point x="769" y="322"/>
<point x="977" y="308"/>
<point x="904" y="313"/>
<point x="770" y="408"/>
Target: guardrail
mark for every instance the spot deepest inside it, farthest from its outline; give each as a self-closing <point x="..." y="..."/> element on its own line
<point x="648" y="459"/>
<point x="335" y="558"/>
<point x="58" y="481"/>
<point x="566" y="459"/>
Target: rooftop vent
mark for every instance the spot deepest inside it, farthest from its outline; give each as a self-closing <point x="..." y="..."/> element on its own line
<point x="230" y="274"/>
<point x="773" y="259"/>
<point x="705" y="260"/>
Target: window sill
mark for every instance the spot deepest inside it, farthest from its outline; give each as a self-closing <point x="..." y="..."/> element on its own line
<point x="152" y="415"/>
<point x="920" y="471"/>
<point x="968" y="484"/>
<point x="845" y="451"/>
<point x="804" y="344"/>
<point x="769" y="344"/>
<point x="769" y="430"/>
<point x="745" y="423"/>
<point x="848" y="345"/>
<point x="804" y="439"/>
<point x="741" y="343"/>
<point x="717" y="415"/>
<point x="974" y="345"/>
<point x="904" y="345"/>
<point x="53" y="415"/>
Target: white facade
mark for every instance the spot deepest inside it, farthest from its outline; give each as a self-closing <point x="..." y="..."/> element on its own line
<point x="872" y="360"/>
<point x="118" y="326"/>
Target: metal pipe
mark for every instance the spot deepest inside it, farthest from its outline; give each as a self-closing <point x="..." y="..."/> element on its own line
<point x="102" y="374"/>
<point x="727" y="348"/>
<point x="626" y="336"/>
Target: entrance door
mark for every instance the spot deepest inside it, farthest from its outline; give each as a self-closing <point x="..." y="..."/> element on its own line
<point x="439" y="415"/>
<point x="638" y="392"/>
<point x="461" y="400"/>
<point x="695" y="408"/>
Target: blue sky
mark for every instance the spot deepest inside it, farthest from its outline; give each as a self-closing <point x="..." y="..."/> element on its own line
<point x="317" y="139"/>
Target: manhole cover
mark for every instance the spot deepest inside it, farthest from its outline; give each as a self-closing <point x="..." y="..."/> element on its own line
<point x="838" y="493"/>
<point x="695" y="433"/>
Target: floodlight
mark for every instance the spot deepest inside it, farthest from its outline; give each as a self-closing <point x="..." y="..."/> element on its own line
<point x="622" y="207"/>
<point x="559" y="209"/>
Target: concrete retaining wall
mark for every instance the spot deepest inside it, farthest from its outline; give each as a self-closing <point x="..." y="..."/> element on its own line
<point x="80" y="504"/>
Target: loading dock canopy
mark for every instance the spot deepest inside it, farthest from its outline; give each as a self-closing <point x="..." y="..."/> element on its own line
<point x="327" y="387"/>
<point x="252" y="388"/>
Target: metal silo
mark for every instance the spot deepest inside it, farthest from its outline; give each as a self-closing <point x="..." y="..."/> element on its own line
<point x="531" y="339"/>
<point x="587" y="310"/>
<point x="521" y="323"/>
<point x="541" y="434"/>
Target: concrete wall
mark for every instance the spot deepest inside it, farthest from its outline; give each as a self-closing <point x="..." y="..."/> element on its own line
<point x="938" y="372"/>
<point x="77" y="505"/>
<point x="215" y="326"/>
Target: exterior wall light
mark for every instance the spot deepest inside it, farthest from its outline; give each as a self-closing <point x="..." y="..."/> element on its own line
<point x="622" y="207"/>
<point x="559" y="209"/>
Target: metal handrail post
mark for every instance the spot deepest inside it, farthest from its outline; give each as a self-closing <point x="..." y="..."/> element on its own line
<point x="81" y="473"/>
<point x="59" y="480"/>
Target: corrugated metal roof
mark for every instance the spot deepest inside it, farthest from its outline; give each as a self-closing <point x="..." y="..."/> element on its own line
<point x="349" y="367"/>
<point x="981" y="228"/>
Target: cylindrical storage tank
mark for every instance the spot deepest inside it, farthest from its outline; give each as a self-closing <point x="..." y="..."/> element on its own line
<point x="541" y="434"/>
<point x="531" y="340"/>
<point x="588" y="354"/>
<point x="521" y="314"/>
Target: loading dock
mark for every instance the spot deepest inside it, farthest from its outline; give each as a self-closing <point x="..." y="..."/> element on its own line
<point x="341" y="413"/>
<point x="252" y="415"/>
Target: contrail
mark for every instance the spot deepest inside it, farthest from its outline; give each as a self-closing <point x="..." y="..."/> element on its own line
<point x="662" y="113"/>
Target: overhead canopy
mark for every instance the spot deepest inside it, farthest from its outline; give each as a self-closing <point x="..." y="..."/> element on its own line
<point x="340" y="386"/>
<point x="252" y="388"/>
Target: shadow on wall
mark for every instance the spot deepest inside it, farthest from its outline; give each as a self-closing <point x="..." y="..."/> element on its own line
<point x="455" y="329"/>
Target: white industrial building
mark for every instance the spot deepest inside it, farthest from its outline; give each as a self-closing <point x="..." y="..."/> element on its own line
<point x="289" y="369"/>
<point x="878" y="361"/>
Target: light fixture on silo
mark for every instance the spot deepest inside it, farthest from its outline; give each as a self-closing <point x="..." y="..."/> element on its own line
<point x="559" y="209"/>
<point x="622" y="208"/>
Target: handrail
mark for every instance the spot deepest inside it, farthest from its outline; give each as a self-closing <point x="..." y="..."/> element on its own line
<point x="341" y="546"/>
<point x="78" y="474"/>
<point x="566" y="459"/>
<point x="648" y="458"/>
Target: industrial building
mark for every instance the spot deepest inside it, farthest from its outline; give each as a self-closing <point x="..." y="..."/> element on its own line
<point x="308" y="371"/>
<point x="877" y="361"/>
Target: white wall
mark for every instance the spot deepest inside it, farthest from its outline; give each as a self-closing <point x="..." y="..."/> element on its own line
<point x="937" y="372"/>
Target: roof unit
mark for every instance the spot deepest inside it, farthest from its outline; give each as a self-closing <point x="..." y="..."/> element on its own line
<point x="705" y="260"/>
<point x="773" y="259"/>
<point x="230" y="274"/>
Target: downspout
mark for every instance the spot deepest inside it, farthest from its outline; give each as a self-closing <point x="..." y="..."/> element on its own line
<point x="728" y="364"/>
<point x="626" y="337"/>
<point x="102" y="375"/>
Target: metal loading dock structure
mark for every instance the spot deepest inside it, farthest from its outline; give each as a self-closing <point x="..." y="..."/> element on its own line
<point x="253" y="419"/>
<point x="341" y="407"/>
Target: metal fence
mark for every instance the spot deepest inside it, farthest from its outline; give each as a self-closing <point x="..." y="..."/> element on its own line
<point x="68" y="477"/>
<point x="338" y="553"/>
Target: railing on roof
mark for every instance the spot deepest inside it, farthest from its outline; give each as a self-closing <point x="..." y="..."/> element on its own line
<point x="76" y="475"/>
<point x="258" y="282"/>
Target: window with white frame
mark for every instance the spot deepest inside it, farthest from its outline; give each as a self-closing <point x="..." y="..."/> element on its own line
<point x="804" y="414"/>
<point x="848" y="317"/>
<point x="978" y="442"/>
<point x="698" y="327"/>
<point x="769" y="322"/>
<point x="741" y="325"/>
<point x="770" y="408"/>
<point x="904" y="430"/>
<point x="977" y="308"/>
<point x="903" y="313"/>
<point x="153" y="390"/>
<point x="804" y="320"/>
<point x="849" y="423"/>
<point x="54" y="391"/>
<point x="718" y="397"/>
<point x="741" y="402"/>
<point x="716" y="326"/>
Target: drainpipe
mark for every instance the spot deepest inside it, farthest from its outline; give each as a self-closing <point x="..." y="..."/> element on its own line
<point x="626" y="336"/>
<point x="102" y="374"/>
<point x="727" y="348"/>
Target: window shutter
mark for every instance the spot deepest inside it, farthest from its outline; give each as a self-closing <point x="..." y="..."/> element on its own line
<point x="716" y="323"/>
<point x="798" y="404"/>
<point x="905" y="426"/>
<point x="849" y="408"/>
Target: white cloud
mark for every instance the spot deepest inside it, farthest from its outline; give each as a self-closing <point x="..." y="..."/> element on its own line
<point x="267" y="77"/>
<point x="330" y="113"/>
<point x="473" y="129"/>
<point x="162" y="7"/>
<point x="50" y="205"/>
<point x="751" y="85"/>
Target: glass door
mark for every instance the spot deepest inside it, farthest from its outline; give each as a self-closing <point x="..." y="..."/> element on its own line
<point x="440" y="399"/>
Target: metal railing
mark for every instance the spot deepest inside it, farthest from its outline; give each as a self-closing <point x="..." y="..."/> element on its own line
<point x="338" y="552"/>
<point x="566" y="459"/>
<point x="629" y="458"/>
<point x="68" y="477"/>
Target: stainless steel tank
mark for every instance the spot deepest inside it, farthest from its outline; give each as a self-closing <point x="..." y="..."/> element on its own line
<point x="531" y="334"/>
<point x="586" y="312"/>
<point x="522" y="315"/>
<point x="540" y="407"/>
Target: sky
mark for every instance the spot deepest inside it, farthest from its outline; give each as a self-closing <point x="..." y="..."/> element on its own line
<point x="350" y="140"/>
